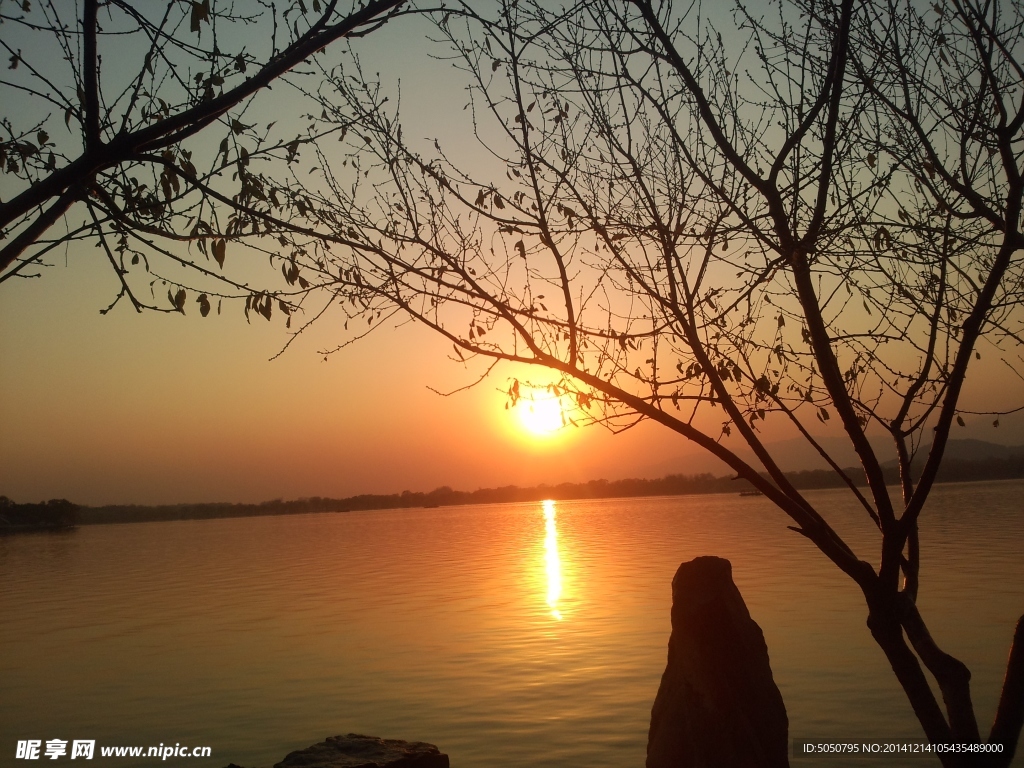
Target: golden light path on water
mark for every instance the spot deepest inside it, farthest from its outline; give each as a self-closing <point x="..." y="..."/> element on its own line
<point x="552" y="563"/>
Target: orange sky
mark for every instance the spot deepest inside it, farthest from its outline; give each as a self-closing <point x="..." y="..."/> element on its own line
<point x="162" y="408"/>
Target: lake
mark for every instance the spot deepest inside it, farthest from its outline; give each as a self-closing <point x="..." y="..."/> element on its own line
<point x="508" y="635"/>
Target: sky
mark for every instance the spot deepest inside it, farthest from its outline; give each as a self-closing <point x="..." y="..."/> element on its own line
<point x="158" y="408"/>
<point x="164" y="408"/>
<point x="161" y="408"/>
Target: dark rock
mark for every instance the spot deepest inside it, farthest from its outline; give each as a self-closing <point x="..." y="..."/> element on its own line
<point x="718" y="705"/>
<point x="355" y="751"/>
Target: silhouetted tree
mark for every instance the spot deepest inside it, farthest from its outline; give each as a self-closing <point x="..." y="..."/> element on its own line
<point x="54" y="514"/>
<point x="811" y="215"/>
<point x="708" y="222"/>
<point x="130" y="126"/>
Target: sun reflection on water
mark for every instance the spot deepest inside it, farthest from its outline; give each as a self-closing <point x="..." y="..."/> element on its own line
<point x="552" y="563"/>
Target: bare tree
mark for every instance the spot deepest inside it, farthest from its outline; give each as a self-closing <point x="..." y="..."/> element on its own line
<point x="705" y="221"/>
<point x="133" y="127"/>
<point x="812" y="215"/>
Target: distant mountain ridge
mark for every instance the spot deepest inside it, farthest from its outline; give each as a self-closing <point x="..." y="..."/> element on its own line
<point x="967" y="450"/>
<point x="797" y="455"/>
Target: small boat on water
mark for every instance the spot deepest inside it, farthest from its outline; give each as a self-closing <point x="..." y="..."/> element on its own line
<point x="751" y="493"/>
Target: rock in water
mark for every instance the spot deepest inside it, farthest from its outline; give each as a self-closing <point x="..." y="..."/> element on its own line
<point x="718" y="705"/>
<point x="355" y="751"/>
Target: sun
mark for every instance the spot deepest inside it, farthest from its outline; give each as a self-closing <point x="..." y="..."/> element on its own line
<point x="541" y="415"/>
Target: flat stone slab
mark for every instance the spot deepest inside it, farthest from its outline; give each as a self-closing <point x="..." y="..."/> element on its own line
<point x="356" y="751"/>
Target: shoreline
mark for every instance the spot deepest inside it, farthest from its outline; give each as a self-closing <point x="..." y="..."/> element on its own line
<point x="957" y="471"/>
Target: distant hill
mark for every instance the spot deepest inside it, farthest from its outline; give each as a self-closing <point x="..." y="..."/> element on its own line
<point x="965" y="460"/>
<point x="969" y="451"/>
<point x="797" y="455"/>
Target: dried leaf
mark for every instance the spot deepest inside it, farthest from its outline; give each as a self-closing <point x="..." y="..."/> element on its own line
<point x="200" y="13"/>
<point x="219" y="251"/>
<point x="883" y="241"/>
<point x="177" y="300"/>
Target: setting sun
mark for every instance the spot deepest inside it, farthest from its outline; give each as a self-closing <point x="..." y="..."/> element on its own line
<point x="541" y="415"/>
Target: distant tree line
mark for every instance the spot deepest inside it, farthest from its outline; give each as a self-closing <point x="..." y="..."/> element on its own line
<point x="48" y="515"/>
<point x="1010" y="467"/>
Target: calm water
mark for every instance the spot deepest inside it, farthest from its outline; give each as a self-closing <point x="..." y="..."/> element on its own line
<point x="508" y="635"/>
